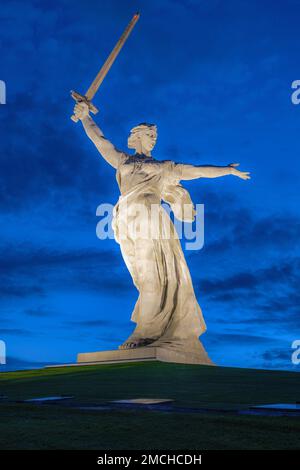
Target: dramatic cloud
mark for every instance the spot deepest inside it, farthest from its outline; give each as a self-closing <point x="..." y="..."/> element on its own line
<point x="286" y="273"/>
<point x="14" y="332"/>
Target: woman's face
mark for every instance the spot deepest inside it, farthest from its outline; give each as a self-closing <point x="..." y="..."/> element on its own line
<point x="148" y="140"/>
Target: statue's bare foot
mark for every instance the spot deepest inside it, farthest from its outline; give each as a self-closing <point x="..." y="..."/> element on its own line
<point x="132" y="343"/>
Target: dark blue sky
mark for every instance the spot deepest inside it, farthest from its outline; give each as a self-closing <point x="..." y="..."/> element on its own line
<point x="216" y="78"/>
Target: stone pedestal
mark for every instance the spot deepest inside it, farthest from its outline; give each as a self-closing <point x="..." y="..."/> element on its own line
<point x="163" y="354"/>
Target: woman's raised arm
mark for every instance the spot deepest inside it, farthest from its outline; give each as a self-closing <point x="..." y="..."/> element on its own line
<point x="105" y="147"/>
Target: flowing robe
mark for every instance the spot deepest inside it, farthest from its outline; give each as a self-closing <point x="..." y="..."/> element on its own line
<point x="166" y="311"/>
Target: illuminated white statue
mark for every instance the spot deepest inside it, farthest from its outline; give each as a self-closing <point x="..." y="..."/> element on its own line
<point x="167" y="312"/>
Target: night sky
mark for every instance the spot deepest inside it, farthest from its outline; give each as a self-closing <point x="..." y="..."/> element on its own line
<point x="215" y="76"/>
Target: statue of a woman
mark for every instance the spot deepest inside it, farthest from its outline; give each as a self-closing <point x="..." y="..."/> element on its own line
<point x="166" y="313"/>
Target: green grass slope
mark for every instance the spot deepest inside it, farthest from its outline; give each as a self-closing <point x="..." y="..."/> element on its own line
<point x="25" y="426"/>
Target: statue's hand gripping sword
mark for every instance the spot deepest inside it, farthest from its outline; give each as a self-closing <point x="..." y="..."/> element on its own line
<point x="87" y="98"/>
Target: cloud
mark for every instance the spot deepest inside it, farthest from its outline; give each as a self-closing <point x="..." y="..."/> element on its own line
<point x="106" y="282"/>
<point x="39" y="272"/>
<point x="277" y="355"/>
<point x="239" y="338"/>
<point x="91" y="323"/>
<point x="25" y="256"/>
<point x="265" y="299"/>
<point x="285" y="273"/>
<point x="14" y="332"/>
<point x="38" y="312"/>
<point x="278" y="358"/>
<point x="12" y="288"/>
<point x="242" y="230"/>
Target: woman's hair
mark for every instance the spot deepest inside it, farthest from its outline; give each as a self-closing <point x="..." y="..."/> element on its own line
<point x="137" y="131"/>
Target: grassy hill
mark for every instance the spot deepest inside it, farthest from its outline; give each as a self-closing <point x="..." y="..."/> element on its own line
<point x="25" y="426"/>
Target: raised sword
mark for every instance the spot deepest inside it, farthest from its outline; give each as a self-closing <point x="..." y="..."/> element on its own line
<point x="89" y="95"/>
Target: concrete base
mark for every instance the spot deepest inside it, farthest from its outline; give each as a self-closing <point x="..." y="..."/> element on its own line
<point x="162" y="354"/>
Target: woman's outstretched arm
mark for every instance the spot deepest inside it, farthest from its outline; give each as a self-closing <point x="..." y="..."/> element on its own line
<point x="105" y="147"/>
<point x="190" y="172"/>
